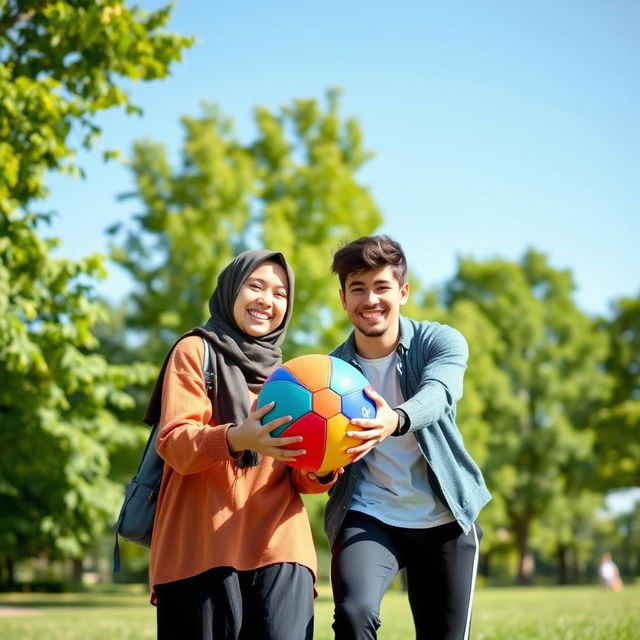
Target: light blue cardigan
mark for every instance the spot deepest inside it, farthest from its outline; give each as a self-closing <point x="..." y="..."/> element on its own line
<point x="431" y="365"/>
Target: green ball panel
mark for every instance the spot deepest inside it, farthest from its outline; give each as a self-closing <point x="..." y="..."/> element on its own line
<point x="291" y="400"/>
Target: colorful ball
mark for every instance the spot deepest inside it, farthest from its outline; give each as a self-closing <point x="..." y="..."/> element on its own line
<point x="321" y="394"/>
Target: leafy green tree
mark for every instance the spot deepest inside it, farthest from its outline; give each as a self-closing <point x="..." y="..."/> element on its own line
<point x="566" y="534"/>
<point x="311" y="202"/>
<point x="61" y="63"/>
<point x="194" y="221"/>
<point x="486" y="390"/>
<point x="292" y="188"/>
<point x="540" y="403"/>
<point x="618" y="425"/>
<point x="628" y="532"/>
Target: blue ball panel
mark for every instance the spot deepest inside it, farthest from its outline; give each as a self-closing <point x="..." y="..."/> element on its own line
<point x="358" y="405"/>
<point x="291" y="400"/>
<point x="345" y="377"/>
<point x="282" y="374"/>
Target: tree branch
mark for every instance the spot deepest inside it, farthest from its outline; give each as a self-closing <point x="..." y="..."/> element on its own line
<point x="11" y="21"/>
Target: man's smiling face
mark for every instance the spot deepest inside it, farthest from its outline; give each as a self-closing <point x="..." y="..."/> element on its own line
<point x="372" y="300"/>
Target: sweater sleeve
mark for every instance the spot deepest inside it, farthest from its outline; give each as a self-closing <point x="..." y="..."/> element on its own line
<point x="305" y="485"/>
<point x="187" y="441"/>
<point x="440" y="382"/>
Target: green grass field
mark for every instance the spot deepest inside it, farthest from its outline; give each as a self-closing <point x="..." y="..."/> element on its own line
<point x="554" y="613"/>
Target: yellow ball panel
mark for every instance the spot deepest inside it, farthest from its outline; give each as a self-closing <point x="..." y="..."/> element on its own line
<point x="336" y="444"/>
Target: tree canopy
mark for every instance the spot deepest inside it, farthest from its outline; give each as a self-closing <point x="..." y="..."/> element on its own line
<point x="618" y="423"/>
<point x="61" y="63"/>
<point x="539" y="388"/>
<point x="293" y="188"/>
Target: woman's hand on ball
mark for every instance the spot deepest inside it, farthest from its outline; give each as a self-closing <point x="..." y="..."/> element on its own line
<point x="254" y="435"/>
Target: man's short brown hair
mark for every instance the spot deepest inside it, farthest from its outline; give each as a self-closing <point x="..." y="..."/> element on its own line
<point x="370" y="252"/>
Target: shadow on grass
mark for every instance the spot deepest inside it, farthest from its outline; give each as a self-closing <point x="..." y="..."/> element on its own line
<point x="70" y="604"/>
<point x="120" y="598"/>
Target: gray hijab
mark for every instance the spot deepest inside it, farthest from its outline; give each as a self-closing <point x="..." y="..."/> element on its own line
<point x="241" y="362"/>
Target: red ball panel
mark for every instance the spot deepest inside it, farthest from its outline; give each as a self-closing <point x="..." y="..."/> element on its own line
<point x="313" y="429"/>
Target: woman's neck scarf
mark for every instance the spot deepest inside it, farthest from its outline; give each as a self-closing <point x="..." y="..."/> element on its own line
<point x="241" y="362"/>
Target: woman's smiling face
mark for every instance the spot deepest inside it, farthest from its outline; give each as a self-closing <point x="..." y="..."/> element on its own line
<point x="261" y="303"/>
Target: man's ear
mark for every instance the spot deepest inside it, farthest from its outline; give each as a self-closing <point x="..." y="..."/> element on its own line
<point x="404" y="293"/>
<point x="341" y="292"/>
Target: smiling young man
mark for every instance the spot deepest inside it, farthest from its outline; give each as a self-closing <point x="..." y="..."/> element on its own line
<point x="411" y="497"/>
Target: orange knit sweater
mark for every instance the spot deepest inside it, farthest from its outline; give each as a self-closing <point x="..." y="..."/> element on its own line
<point x="210" y="513"/>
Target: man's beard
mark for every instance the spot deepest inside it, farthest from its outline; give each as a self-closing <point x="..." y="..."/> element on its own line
<point x="372" y="332"/>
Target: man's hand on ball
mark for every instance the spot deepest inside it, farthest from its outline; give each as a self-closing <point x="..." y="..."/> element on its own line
<point x="374" y="431"/>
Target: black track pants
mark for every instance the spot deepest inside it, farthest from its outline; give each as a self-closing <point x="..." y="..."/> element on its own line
<point x="441" y="565"/>
<point x="270" y="603"/>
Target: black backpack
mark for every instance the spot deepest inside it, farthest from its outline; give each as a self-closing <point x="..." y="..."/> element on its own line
<point x="135" y="522"/>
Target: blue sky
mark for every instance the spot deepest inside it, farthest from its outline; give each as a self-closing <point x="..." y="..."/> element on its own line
<point x="496" y="125"/>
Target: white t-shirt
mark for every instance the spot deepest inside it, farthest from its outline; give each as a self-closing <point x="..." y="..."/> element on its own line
<point x="608" y="571"/>
<point x="394" y="486"/>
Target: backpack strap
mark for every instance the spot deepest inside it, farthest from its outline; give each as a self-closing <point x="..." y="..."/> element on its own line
<point x="207" y="367"/>
<point x="207" y="373"/>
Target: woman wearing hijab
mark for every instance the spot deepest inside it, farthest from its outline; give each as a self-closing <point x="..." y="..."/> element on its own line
<point x="232" y="554"/>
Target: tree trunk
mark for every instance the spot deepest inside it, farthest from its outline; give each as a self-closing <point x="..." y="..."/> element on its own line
<point x="8" y="573"/>
<point x="485" y="564"/>
<point x="76" y="572"/>
<point x="563" y="564"/>
<point x="526" y="562"/>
